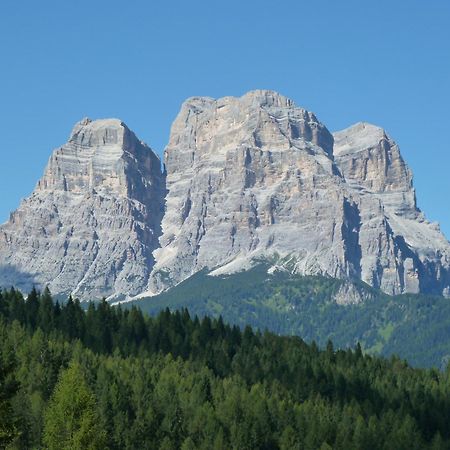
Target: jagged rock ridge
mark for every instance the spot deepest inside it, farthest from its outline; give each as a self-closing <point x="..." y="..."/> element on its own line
<point x="247" y="179"/>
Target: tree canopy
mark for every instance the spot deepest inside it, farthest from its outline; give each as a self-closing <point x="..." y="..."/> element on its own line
<point x="112" y="378"/>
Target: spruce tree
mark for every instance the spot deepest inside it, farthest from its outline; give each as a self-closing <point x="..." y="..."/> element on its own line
<point x="71" y="420"/>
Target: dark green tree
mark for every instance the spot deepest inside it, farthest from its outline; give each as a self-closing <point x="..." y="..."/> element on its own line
<point x="8" y="389"/>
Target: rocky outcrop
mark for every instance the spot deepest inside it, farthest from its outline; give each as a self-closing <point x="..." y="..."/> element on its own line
<point x="93" y="221"/>
<point x="349" y="293"/>
<point x="246" y="179"/>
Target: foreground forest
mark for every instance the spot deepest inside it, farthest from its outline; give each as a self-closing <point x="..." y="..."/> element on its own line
<point x="118" y="379"/>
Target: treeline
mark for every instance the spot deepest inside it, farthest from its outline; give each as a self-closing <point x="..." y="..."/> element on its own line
<point x="117" y="379"/>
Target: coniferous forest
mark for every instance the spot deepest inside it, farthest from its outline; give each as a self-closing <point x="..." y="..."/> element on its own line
<point x="112" y="378"/>
<point x="414" y="326"/>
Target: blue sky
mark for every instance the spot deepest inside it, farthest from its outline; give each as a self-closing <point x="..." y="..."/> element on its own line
<point x="385" y="62"/>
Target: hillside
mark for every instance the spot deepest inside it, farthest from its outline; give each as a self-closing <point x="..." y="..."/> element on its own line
<point x="416" y="327"/>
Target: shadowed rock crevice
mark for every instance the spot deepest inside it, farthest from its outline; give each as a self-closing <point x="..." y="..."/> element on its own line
<point x="351" y="226"/>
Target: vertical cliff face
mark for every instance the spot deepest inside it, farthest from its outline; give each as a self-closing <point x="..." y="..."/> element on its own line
<point x="254" y="177"/>
<point x="247" y="179"/>
<point x="372" y="164"/>
<point x="413" y="255"/>
<point x="93" y="221"/>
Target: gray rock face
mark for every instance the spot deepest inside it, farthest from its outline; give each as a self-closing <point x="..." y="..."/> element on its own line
<point x="247" y="179"/>
<point x="257" y="177"/>
<point x="93" y="221"/>
<point x="350" y="294"/>
<point x="371" y="163"/>
<point x="412" y="255"/>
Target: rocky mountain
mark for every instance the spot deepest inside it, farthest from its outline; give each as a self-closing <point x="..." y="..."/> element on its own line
<point x="246" y="179"/>
<point x="93" y="221"/>
<point x="257" y="177"/>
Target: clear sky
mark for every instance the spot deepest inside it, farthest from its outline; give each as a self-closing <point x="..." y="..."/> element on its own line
<point x="385" y="62"/>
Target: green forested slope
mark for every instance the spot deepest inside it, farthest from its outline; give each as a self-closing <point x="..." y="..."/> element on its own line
<point x="416" y="327"/>
<point x="113" y="378"/>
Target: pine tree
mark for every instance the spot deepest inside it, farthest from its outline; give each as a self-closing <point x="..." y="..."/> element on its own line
<point x="32" y="308"/>
<point x="71" y="420"/>
<point x="45" y="313"/>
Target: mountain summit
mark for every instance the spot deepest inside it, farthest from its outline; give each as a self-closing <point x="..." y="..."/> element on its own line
<point x="93" y="221"/>
<point x="246" y="179"/>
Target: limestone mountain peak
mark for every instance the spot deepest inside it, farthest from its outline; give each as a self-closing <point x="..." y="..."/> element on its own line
<point x="357" y="137"/>
<point x="246" y="179"/>
<point x="93" y="221"/>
